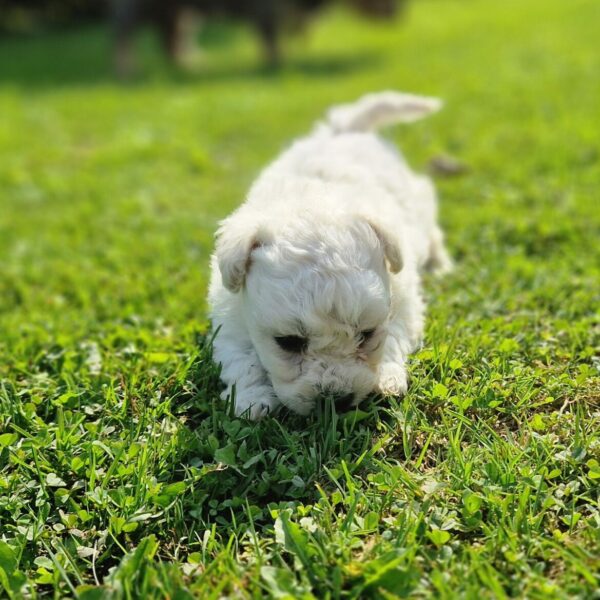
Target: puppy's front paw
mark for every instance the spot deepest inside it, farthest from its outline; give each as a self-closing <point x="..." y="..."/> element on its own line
<point x="392" y="380"/>
<point x="253" y="403"/>
<point x="259" y="410"/>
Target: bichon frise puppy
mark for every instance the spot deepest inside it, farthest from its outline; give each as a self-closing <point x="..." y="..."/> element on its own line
<point x="315" y="285"/>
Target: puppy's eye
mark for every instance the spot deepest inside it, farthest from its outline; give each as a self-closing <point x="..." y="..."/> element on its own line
<point x="366" y="335"/>
<point x="292" y="343"/>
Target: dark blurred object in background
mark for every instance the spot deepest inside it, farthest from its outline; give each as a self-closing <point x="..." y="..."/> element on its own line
<point x="176" y="22"/>
<point x="25" y="16"/>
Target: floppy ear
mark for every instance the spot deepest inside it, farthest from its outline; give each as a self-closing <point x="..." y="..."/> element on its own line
<point x="390" y="245"/>
<point x="235" y="243"/>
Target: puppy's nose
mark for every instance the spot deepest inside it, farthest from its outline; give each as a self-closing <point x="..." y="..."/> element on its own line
<point x="344" y="402"/>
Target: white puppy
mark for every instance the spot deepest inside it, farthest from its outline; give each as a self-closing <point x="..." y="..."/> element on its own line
<point x="315" y="283"/>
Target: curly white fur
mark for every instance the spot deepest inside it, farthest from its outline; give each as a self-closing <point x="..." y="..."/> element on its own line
<point x="329" y="245"/>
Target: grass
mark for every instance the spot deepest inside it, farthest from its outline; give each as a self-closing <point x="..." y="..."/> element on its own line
<point x="121" y="473"/>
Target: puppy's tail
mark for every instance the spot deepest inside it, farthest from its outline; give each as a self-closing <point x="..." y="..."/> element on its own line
<point x="373" y="111"/>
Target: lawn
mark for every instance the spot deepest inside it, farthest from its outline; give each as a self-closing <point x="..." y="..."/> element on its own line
<point x="122" y="475"/>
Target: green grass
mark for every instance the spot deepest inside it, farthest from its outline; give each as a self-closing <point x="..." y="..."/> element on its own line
<point x="122" y="474"/>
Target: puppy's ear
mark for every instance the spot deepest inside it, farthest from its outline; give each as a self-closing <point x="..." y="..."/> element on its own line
<point x="390" y="245"/>
<point x="235" y="244"/>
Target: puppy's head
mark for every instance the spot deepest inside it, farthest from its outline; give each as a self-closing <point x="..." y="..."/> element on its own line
<point x="316" y="300"/>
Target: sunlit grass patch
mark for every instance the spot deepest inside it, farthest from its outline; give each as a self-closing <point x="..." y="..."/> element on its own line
<point x="123" y="474"/>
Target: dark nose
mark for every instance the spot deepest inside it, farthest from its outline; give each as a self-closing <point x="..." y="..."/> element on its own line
<point x="344" y="402"/>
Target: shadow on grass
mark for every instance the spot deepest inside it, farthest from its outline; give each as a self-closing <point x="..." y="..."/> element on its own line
<point x="83" y="56"/>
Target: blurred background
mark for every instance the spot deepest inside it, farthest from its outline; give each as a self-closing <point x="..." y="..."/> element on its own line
<point x="180" y="27"/>
<point x="127" y="131"/>
<point x="129" y="128"/>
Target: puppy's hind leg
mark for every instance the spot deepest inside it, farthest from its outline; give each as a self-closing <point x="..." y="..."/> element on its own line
<point x="439" y="261"/>
<point x="247" y="382"/>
